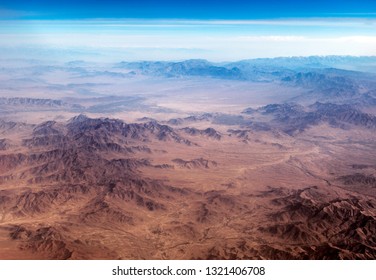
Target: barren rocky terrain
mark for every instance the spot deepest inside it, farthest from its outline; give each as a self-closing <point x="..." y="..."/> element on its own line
<point x="136" y="177"/>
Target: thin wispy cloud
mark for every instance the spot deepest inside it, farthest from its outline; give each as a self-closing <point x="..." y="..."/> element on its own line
<point x="211" y="39"/>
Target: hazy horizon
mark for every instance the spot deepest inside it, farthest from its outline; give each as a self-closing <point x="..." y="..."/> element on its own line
<point x="214" y="40"/>
<point x="169" y="30"/>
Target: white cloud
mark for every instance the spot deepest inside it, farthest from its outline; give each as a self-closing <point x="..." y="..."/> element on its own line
<point x="143" y="40"/>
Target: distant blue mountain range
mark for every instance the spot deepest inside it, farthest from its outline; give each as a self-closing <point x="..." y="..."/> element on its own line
<point x="327" y="78"/>
<point x="254" y="69"/>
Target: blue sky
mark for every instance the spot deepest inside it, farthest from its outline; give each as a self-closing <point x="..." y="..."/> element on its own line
<point x="193" y="9"/>
<point x="176" y="30"/>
